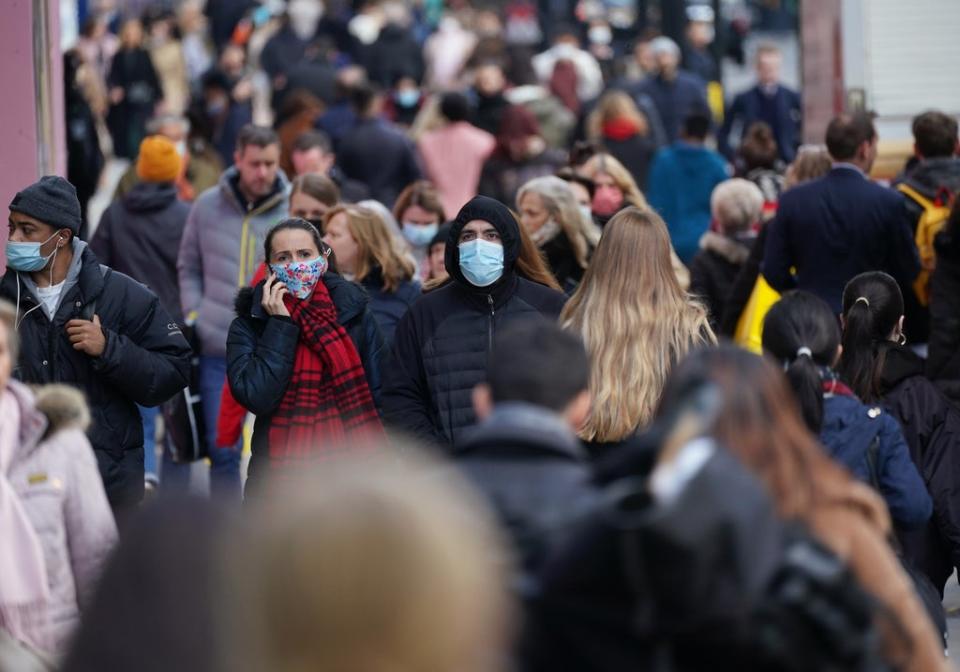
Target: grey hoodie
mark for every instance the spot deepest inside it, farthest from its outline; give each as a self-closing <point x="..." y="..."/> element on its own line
<point x="222" y="247"/>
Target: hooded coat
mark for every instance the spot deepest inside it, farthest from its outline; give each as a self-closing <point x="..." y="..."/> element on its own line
<point x="261" y="350"/>
<point x="146" y="359"/>
<point x="139" y="235"/>
<point x="931" y="427"/>
<point x="849" y="428"/>
<point x="681" y="181"/>
<point x="54" y="475"/>
<point x="441" y="345"/>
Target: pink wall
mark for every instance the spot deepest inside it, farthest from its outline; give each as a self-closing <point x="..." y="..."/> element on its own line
<point x="19" y="158"/>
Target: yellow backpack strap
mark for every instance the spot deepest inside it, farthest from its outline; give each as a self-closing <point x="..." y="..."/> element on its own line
<point x="922" y="200"/>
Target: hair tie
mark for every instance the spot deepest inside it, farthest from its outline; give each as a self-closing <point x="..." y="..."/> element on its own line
<point x="863" y="299"/>
<point x="804" y="352"/>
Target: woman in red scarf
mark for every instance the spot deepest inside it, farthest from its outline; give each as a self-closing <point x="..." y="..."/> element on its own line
<point x="303" y="355"/>
<point x="620" y="127"/>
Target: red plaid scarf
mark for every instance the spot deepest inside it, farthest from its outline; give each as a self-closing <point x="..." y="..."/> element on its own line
<point x="328" y="400"/>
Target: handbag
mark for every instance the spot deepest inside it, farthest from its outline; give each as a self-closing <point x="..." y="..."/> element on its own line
<point x="750" y="326"/>
<point x="182" y="415"/>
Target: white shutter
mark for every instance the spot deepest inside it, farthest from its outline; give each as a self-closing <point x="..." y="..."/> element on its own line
<point x="913" y="56"/>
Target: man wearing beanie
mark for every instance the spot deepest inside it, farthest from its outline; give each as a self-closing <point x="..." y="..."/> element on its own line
<point x="139" y="235"/>
<point x="221" y="250"/>
<point x="86" y="325"/>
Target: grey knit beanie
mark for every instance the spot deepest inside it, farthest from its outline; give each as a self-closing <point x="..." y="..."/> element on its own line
<point x="52" y="200"/>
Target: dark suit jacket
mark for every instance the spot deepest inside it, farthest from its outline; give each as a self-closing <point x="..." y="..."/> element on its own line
<point x="835" y="228"/>
<point x="747" y="108"/>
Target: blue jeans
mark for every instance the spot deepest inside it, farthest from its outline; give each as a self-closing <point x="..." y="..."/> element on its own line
<point x="225" y="483"/>
<point x="149" y="417"/>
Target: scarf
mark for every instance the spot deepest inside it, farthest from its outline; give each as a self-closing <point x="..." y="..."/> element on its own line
<point x="620" y="129"/>
<point x="546" y="233"/>
<point x="328" y="400"/>
<point x="23" y="573"/>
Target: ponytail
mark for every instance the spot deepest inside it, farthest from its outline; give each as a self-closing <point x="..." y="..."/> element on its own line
<point x="861" y="362"/>
<point x="872" y="308"/>
<point x="802" y="333"/>
<point x="803" y="375"/>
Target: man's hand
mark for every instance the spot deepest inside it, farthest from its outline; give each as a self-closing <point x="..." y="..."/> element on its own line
<point x="87" y="336"/>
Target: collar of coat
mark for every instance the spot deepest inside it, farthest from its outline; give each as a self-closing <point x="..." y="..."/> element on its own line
<point x="724" y="246"/>
<point x="90" y="280"/>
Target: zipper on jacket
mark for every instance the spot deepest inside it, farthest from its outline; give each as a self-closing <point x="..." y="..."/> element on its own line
<point x="490" y="324"/>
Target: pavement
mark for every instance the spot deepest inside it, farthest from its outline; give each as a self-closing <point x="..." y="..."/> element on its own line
<point x="951" y="603"/>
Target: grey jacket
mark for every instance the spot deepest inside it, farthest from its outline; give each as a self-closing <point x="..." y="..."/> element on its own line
<point x="56" y="478"/>
<point x="222" y="247"/>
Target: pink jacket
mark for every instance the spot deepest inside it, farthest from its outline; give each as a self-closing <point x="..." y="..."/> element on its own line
<point x="55" y="476"/>
<point x="453" y="157"/>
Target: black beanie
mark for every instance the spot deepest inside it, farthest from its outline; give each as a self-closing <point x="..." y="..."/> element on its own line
<point x="52" y="201"/>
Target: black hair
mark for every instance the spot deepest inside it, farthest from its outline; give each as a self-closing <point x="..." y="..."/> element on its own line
<point x="872" y="307"/>
<point x="847" y="132"/>
<point x="935" y="134"/>
<point x="697" y="124"/>
<point x="215" y="78"/>
<point x="802" y="332"/>
<point x="582" y="151"/>
<point x="537" y="362"/>
<point x="311" y="139"/>
<point x="362" y="97"/>
<point x="454" y="106"/>
<point x="257" y="136"/>
<point x="303" y="225"/>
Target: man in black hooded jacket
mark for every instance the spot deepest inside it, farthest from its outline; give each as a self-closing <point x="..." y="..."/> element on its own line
<point x="442" y="344"/>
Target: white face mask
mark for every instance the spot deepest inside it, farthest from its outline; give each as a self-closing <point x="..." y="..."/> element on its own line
<point x="600" y="35"/>
<point x="182" y="148"/>
<point x="304" y="17"/>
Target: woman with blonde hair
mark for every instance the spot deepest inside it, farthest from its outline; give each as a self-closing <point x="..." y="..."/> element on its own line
<point x="550" y="215"/>
<point x="367" y="252"/>
<point x="636" y="321"/>
<point x="614" y="187"/>
<point x="368" y="565"/>
<point x="619" y="125"/>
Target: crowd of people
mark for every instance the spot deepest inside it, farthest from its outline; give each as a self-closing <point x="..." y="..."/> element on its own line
<point x="550" y="362"/>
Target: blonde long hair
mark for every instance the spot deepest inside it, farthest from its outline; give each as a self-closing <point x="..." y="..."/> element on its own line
<point x="560" y="204"/>
<point x="615" y="105"/>
<point x="636" y="322"/>
<point x="607" y="164"/>
<point x="377" y="246"/>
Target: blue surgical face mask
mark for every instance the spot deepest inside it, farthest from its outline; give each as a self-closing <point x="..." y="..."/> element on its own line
<point x="419" y="235"/>
<point x="481" y="262"/>
<point x="26" y="257"/>
<point x="407" y="97"/>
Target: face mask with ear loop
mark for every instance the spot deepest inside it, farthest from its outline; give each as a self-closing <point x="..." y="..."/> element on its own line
<point x="26" y="258"/>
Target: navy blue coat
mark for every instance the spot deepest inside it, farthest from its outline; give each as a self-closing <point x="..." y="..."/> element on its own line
<point x="261" y="351"/>
<point x="389" y="307"/>
<point x="146" y="361"/>
<point x="378" y="155"/>
<point x="783" y="113"/>
<point x="848" y="432"/>
<point x="835" y="228"/>
<point x="675" y="100"/>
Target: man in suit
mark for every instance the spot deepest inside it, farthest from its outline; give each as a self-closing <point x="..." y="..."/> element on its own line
<point x="767" y="101"/>
<point x="838" y="226"/>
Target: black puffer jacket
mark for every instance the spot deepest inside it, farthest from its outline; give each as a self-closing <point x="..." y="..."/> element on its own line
<point x="146" y="360"/>
<point x="943" y="362"/>
<point x="441" y="345"/>
<point x="534" y="473"/>
<point x="563" y="262"/>
<point x="261" y="351"/>
<point x="931" y="427"/>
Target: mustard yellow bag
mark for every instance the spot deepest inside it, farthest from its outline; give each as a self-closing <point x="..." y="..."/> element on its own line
<point x="750" y="327"/>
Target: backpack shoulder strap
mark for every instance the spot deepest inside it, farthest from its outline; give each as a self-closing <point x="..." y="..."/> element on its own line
<point x="909" y="191"/>
<point x="90" y="309"/>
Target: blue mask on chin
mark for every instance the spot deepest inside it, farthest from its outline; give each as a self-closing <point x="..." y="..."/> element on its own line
<point x="481" y="262"/>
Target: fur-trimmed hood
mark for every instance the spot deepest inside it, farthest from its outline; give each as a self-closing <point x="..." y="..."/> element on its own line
<point x="726" y="247"/>
<point x="64" y="407"/>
